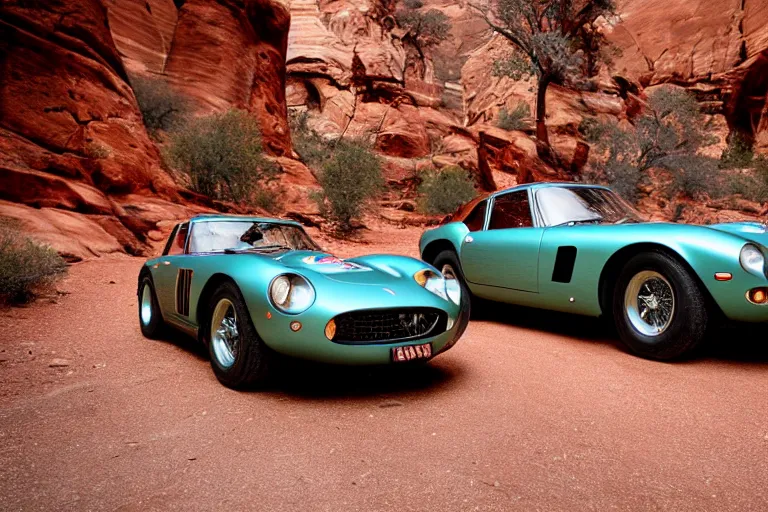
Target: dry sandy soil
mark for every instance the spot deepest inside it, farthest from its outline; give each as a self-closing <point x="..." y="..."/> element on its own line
<point x="530" y="411"/>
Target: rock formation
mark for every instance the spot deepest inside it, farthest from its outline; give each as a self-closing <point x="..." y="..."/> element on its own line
<point x="75" y="159"/>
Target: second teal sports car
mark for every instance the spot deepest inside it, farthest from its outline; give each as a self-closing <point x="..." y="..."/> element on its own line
<point x="250" y="288"/>
<point x="582" y="249"/>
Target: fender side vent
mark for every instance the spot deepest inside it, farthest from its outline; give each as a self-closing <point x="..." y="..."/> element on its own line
<point x="564" y="263"/>
<point x="183" y="287"/>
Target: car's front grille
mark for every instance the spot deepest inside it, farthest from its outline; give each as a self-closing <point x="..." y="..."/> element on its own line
<point x="388" y="325"/>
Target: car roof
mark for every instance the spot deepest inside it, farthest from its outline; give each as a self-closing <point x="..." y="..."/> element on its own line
<point x="214" y="217"/>
<point x="546" y="184"/>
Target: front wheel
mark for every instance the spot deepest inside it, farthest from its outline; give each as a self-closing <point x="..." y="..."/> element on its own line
<point x="239" y="358"/>
<point x="659" y="309"/>
<point x="448" y="264"/>
<point x="150" y="319"/>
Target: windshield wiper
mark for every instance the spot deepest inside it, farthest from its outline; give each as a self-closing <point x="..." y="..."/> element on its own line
<point x="273" y="247"/>
<point x="574" y="222"/>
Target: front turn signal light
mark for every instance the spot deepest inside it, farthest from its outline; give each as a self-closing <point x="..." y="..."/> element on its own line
<point x="758" y="295"/>
<point x="330" y="330"/>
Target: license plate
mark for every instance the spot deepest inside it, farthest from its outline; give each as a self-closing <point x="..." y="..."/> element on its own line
<point x="411" y="352"/>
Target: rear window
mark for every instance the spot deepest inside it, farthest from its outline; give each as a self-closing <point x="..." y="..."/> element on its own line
<point x="476" y="218"/>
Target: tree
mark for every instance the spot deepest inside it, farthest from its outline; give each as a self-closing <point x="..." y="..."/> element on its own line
<point x="426" y="29"/>
<point x="551" y="39"/>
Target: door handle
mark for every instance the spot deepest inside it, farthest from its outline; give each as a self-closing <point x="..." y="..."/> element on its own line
<point x="469" y="239"/>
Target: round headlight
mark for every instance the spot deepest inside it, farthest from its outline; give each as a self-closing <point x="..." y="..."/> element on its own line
<point x="280" y="290"/>
<point x="752" y="260"/>
<point x="438" y="285"/>
<point x="291" y="293"/>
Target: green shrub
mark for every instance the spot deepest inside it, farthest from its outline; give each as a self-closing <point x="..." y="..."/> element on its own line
<point x="222" y="155"/>
<point x="445" y="190"/>
<point x="413" y="4"/>
<point x="349" y="178"/>
<point x="667" y="136"/>
<point x="517" y="119"/>
<point x="308" y="144"/>
<point x="738" y="154"/>
<point x="161" y="107"/>
<point x="27" y="267"/>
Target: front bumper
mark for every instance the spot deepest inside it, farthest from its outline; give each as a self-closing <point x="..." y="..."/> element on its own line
<point x="311" y="343"/>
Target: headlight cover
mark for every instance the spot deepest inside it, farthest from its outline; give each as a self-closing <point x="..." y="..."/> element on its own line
<point x="446" y="289"/>
<point x="291" y="293"/>
<point x="752" y="260"/>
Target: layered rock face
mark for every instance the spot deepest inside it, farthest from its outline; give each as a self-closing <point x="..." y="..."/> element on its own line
<point x="74" y="155"/>
<point x="143" y="32"/>
<point x="348" y="64"/>
<point x="220" y="53"/>
<point x="717" y="48"/>
<point x="231" y="53"/>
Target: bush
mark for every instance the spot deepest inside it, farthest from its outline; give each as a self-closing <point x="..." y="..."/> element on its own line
<point x="667" y="136"/>
<point x="308" y="144"/>
<point x="515" y="120"/>
<point x="738" y="154"/>
<point x="349" y="178"/>
<point x="161" y="107"/>
<point x="413" y="4"/>
<point x="27" y="268"/>
<point x="444" y="191"/>
<point x="222" y="155"/>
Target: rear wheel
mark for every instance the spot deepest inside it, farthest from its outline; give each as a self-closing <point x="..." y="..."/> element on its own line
<point x="239" y="358"/>
<point x="659" y="310"/>
<point x="150" y="319"/>
<point x="448" y="264"/>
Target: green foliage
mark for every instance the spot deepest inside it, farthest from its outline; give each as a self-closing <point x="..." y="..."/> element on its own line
<point x="27" y="267"/>
<point x="413" y="4"/>
<point x="517" y="119"/>
<point x="161" y="107"/>
<point x="350" y="177"/>
<point x="222" y="155"/>
<point x="738" y="154"/>
<point x="308" y="144"/>
<point x="556" y="39"/>
<point x="445" y="190"/>
<point x="666" y="136"/>
<point x="428" y="28"/>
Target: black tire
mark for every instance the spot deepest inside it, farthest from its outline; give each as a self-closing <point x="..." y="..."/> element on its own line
<point x="449" y="259"/>
<point x="252" y="359"/>
<point x="689" y="319"/>
<point x="152" y="327"/>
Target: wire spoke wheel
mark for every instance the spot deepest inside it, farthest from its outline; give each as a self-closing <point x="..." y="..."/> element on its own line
<point x="649" y="303"/>
<point x="225" y="336"/>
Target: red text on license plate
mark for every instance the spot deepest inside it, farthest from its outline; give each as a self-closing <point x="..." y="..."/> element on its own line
<point x="411" y="352"/>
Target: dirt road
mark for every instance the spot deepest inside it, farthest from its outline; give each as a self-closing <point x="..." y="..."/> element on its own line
<point x="527" y="412"/>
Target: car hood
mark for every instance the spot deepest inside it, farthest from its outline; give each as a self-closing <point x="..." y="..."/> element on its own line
<point x="753" y="231"/>
<point x="363" y="270"/>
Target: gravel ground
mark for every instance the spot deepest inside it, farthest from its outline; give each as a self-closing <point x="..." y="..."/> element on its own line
<point x="530" y="411"/>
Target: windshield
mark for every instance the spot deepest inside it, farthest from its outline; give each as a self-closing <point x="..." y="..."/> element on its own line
<point x="563" y="205"/>
<point x="244" y="235"/>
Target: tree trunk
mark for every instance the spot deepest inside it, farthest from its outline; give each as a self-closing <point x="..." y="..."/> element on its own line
<point x="541" y="110"/>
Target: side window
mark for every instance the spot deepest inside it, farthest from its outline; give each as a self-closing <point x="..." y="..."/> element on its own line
<point x="178" y="241"/>
<point x="476" y="218"/>
<point x="511" y="211"/>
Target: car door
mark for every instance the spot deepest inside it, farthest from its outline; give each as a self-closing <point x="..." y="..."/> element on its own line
<point x="506" y="253"/>
<point x="173" y="278"/>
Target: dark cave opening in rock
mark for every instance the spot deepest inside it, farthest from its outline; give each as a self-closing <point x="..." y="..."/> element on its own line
<point x="749" y="100"/>
<point x="313" y="96"/>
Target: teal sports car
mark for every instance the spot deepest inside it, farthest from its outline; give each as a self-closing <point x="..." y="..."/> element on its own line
<point x="250" y="288"/>
<point x="582" y="249"/>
